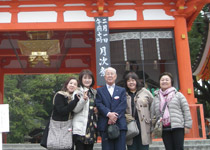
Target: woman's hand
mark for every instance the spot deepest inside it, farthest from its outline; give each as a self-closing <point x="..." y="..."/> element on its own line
<point x="186" y="130"/>
<point x="95" y="110"/>
<point x="85" y="95"/>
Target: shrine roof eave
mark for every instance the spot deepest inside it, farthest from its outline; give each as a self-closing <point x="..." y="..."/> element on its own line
<point x="188" y="8"/>
<point x="200" y="67"/>
<point x="192" y="13"/>
<point x="86" y="25"/>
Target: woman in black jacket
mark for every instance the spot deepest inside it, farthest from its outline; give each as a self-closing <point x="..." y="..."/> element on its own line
<point x="64" y="102"/>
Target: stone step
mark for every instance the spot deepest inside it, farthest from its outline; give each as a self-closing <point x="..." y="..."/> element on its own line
<point x="200" y="141"/>
<point x="156" y="145"/>
<point x="22" y="147"/>
<point x="196" y="142"/>
<point x="188" y="142"/>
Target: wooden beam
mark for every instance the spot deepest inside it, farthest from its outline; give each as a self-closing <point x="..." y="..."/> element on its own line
<point x="44" y="71"/>
<point x="180" y="4"/>
<point x="71" y="51"/>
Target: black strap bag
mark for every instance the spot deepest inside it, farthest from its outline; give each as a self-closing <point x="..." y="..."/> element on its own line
<point x="113" y="131"/>
<point x="45" y="135"/>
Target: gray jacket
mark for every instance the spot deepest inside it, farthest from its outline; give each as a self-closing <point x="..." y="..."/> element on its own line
<point x="178" y="109"/>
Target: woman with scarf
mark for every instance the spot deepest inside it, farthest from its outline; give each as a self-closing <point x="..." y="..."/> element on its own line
<point x="176" y="118"/>
<point x="85" y="113"/>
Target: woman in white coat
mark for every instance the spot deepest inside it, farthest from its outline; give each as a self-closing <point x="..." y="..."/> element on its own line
<point x="85" y="117"/>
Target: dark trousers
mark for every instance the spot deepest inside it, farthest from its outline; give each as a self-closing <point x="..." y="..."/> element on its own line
<point x="137" y="144"/>
<point x="173" y="139"/>
<point x="117" y="144"/>
<point x="82" y="146"/>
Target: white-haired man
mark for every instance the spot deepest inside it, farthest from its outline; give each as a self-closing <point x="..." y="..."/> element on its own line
<point x="111" y="104"/>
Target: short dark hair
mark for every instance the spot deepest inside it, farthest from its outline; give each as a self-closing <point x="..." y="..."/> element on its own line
<point x="167" y="74"/>
<point x="64" y="88"/>
<point x="86" y="72"/>
<point x="134" y="76"/>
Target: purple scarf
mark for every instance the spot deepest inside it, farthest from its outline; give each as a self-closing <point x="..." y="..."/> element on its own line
<point x="166" y="96"/>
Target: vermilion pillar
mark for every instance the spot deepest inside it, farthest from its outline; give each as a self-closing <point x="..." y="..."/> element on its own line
<point x="1" y="86"/>
<point x="183" y="59"/>
<point x="185" y="72"/>
<point x="2" y="97"/>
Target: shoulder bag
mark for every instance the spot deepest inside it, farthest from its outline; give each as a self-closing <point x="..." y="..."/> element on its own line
<point x="60" y="135"/>
<point x="132" y="130"/>
<point x="131" y="126"/>
<point x="158" y="124"/>
<point x="57" y="134"/>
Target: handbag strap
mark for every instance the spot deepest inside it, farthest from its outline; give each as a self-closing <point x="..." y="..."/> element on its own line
<point x="53" y="105"/>
<point x="70" y="116"/>
<point x="161" y="115"/>
<point x="163" y="110"/>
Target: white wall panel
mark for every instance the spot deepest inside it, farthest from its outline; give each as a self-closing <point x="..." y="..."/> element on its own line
<point x="124" y="15"/>
<point x="5" y="17"/>
<point x="76" y="16"/>
<point x="156" y="14"/>
<point x="39" y="16"/>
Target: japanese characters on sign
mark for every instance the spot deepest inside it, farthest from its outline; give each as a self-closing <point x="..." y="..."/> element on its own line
<point x="102" y="47"/>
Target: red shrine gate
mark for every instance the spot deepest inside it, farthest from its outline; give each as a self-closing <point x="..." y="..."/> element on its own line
<point x="58" y="37"/>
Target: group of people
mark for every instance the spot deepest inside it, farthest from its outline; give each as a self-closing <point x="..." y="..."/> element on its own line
<point x="92" y="111"/>
<point x="76" y="101"/>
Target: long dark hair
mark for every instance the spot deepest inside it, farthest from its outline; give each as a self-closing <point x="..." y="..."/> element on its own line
<point x="64" y="88"/>
<point x="134" y="76"/>
<point x="86" y="72"/>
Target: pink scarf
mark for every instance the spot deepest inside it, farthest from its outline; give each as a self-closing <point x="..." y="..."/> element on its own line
<point x="166" y="96"/>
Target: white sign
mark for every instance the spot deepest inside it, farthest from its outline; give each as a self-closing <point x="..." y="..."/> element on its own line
<point x="4" y="117"/>
<point x="0" y="141"/>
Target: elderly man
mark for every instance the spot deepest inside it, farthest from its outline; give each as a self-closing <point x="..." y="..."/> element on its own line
<point x="111" y="104"/>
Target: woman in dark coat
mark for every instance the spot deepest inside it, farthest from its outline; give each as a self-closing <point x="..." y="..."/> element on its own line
<point x="64" y="102"/>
